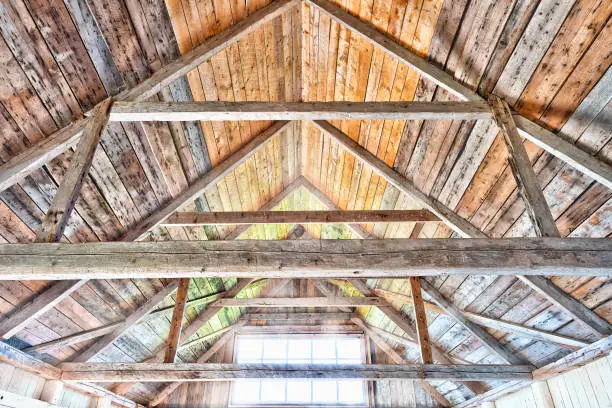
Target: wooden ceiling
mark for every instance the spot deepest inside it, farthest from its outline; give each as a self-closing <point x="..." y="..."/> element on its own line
<point x="549" y="60"/>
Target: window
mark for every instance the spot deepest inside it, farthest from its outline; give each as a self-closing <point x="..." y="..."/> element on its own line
<point x="295" y="349"/>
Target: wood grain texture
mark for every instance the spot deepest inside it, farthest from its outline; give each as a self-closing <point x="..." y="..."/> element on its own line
<point x="421" y="321"/>
<point x="307" y="258"/>
<point x="58" y="214"/>
<point x="298" y="217"/>
<point x="176" y="324"/>
<point x="152" y="372"/>
<point x="526" y="180"/>
<point x="488" y="340"/>
<point x="106" y="340"/>
<point x="207" y="181"/>
<point x="224" y="111"/>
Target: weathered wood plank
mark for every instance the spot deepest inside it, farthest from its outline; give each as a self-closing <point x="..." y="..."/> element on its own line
<point x="176" y="324"/>
<point x="58" y="214"/>
<point x="19" y="359"/>
<point x="420" y="317"/>
<point x="222" y="341"/>
<point x="400" y="182"/>
<point x="307" y="258"/>
<point x="600" y="348"/>
<point x="576" y="309"/>
<point x="225" y="111"/>
<point x="302" y="302"/>
<point x="99" y="346"/>
<point x="297" y="217"/>
<point x="101" y="331"/>
<point x="207" y="181"/>
<point x="38" y="306"/>
<point x="399" y="359"/>
<point x="330" y="205"/>
<point x="155" y="372"/>
<point x="524" y="175"/>
<point x="489" y="341"/>
<point x="52" y="146"/>
<point x="566" y="151"/>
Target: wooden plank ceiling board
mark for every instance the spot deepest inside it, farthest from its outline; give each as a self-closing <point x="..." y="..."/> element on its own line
<point x="549" y="60"/>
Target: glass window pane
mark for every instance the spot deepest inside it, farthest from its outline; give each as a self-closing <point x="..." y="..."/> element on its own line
<point x="298" y="349"/>
<point x="249" y="350"/>
<point x="245" y="392"/>
<point x="350" y="392"/>
<point x="272" y="391"/>
<point x="298" y="392"/>
<point x="324" y="349"/>
<point x="349" y="349"/>
<point x="274" y="349"/>
<point x="324" y="392"/>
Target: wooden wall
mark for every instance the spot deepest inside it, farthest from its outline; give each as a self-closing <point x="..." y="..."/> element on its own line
<point x="586" y="387"/>
<point x="15" y="382"/>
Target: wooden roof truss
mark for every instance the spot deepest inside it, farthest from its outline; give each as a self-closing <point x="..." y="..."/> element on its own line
<point x="547" y="255"/>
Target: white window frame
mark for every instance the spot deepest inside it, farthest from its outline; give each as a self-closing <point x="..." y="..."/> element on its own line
<point x="365" y="359"/>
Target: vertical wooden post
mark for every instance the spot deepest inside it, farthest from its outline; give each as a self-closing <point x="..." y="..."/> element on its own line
<point x="176" y="324"/>
<point x="421" y="320"/>
<point x="52" y="391"/>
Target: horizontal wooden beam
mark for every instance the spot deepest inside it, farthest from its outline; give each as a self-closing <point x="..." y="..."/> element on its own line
<point x="47" y="149"/>
<point x="155" y="372"/>
<point x="564" y="150"/>
<point x="189" y="219"/>
<point x="302" y="302"/>
<point x="302" y="329"/>
<point x="496" y="324"/>
<point x="221" y="111"/>
<point x="336" y="316"/>
<point x="549" y="141"/>
<point x="207" y="181"/>
<point x="307" y="258"/>
<point x="397" y="180"/>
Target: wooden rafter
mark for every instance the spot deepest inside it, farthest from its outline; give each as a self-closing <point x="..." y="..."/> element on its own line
<point x="399" y="359"/>
<point x="85" y="335"/>
<point x="189" y="330"/>
<point x="308" y="258"/>
<point x="133" y="319"/>
<point x="545" y="287"/>
<point x="58" y="214"/>
<point x="176" y="323"/>
<point x="220" y="111"/>
<point x="547" y="140"/>
<point x="496" y="324"/>
<point x="330" y="205"/>
<point x="449" y="217"/>
<point x="526" y="180"/>
<point x="155" y="372"/>
<point x="297" y="217"/>
<point x="206" y="181"/>
<point x="396" y="316"/>
<point x="47" y="149"/>
<point x="212" y="350"/>
<point x="489" y="341"/>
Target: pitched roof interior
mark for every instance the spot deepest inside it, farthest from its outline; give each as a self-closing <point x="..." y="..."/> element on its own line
<point x="549" y="60"/>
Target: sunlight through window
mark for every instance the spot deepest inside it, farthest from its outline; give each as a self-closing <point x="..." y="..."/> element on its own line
<point x="294" y="349"/>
